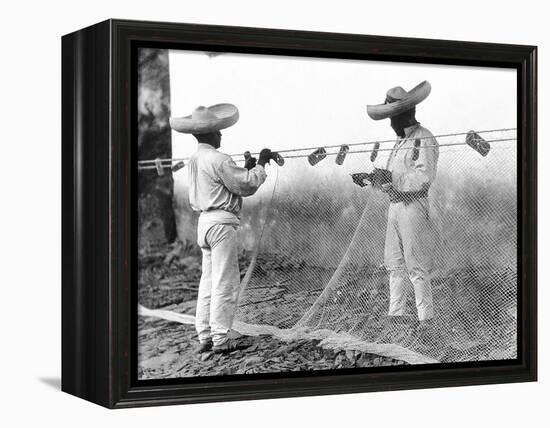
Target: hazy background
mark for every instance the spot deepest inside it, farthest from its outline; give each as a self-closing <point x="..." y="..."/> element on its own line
<point x="288" y="102"/>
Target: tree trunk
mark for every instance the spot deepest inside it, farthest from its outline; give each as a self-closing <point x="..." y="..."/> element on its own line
<point x="156" y="222"/>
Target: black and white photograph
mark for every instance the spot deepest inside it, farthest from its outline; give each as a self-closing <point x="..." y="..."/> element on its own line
<point x="301" y="214"/>
<point x="275" y="214"/>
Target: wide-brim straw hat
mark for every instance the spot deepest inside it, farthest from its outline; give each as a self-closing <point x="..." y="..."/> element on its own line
<point x="399" y="101"/>
<point x="204" y="120"/>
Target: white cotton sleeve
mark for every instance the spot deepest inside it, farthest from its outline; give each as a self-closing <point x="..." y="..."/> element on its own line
<point x="239" y="180"/>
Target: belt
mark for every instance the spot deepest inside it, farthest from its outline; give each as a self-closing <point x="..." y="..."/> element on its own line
<point x="408" y="197"/>
<point x="219" y="216"/>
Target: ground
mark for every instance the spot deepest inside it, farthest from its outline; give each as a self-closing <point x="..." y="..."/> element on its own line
<point x="168" y="279"/>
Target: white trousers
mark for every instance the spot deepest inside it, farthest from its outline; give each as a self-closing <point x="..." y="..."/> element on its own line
<point x="408" y="256"/>
<point x="220" y="282"/>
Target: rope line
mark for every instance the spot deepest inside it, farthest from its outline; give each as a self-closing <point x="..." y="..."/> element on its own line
<point x="387" y="149"/>
<point x="393" y="140"/>
<point x="455" y="134"/>
<point x="351" y="152"/>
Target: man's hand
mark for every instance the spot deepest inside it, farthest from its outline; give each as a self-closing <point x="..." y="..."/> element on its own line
<point x="380" y="177"/>
<point x="250" y="163"/>
<point x="265" y="156"/>
<point x="362" y="179"/>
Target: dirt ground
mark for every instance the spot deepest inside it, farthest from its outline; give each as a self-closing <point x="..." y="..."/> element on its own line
<point x="168" y="279"/>
<point x="169" y="350"/>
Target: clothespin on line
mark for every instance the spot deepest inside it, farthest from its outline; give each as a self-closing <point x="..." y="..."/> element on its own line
<point x="476" y="142"/>
<point x="416" y="151"/>
<point x="342" y="153"/>
<point x="178" y="166"/>
<point x="160" y="168"/>
<point x="317" y="156"/>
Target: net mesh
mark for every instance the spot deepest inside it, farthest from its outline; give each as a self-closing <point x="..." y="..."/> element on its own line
<point x="317" y="242"/>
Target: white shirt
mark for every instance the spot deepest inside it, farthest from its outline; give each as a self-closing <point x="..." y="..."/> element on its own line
<point x="409" y="175"/>
<point x="217" y="183"/>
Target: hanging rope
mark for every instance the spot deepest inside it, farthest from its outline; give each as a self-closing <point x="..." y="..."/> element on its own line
<point x="267" y="219"/>
<point x="393" y="140"/>
<point x="165" y="163"/>
<point x="150" y="163"/>
<point x="387" y="149"/>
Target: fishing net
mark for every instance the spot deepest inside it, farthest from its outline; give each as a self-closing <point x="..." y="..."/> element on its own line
<point x="318" y="272"/>
<point x="315" y="242"/>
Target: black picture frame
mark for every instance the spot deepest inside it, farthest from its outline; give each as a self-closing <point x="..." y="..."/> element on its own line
<point x="98" y="224"/>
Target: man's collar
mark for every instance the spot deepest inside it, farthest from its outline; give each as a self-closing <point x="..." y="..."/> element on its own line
<point x="205" y="146"/>
<point x="410" y="129"/>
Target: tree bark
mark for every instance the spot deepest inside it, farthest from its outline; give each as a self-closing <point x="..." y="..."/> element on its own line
<point x="156" y="222"/>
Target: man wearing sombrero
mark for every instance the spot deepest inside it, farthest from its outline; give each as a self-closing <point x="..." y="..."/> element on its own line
<point x="413" y="166"/>
<point x="216" y="188"/>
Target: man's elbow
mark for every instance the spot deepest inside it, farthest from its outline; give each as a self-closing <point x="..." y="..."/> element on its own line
<point x="248" y="191"/>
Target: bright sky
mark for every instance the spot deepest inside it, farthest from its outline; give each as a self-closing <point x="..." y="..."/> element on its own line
<point x="287" y="102"/>
<point x="291" y="102"/>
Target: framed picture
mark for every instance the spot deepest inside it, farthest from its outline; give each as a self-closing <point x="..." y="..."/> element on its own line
<point x="254" y="213"/>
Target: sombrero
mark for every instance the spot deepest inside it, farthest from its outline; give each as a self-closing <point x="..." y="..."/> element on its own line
<point x="206" y="119"/>
<point x="398" y="101"/>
